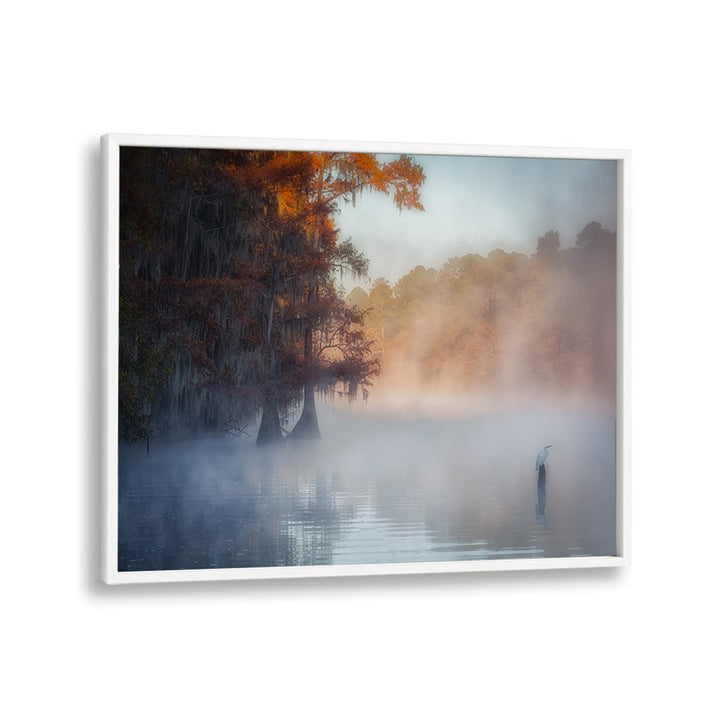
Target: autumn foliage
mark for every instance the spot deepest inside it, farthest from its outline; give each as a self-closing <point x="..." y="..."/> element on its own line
<point x="228" y="267"/>
<point x="509" y="324"/>
<point x="231" y="307"/>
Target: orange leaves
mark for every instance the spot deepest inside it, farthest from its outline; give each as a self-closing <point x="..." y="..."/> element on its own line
<point x="289" y="202"/>
<point x="307" y="186"/>
<point x="365" y="163"/>
<point x="407" y="178"/>
<point x="345" y="175"/>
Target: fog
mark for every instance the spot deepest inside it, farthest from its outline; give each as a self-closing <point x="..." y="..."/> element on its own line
<point x="376" y="489"/>
<point x="497" y="333"/>
<point x="466" y="367"/>
<point x="482" y="363"/>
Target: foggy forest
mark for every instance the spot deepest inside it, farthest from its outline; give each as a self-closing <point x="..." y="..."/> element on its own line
<point x="239" y="299"/>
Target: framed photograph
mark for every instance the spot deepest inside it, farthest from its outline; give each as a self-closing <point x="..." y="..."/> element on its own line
<point x="345" y="358"/>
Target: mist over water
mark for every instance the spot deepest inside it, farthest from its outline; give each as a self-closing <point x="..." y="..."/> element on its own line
<point x="233" y="305"/>
<point x="378" y="488"/>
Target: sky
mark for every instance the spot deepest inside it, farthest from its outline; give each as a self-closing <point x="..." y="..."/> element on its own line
<point x="477" y="204"/>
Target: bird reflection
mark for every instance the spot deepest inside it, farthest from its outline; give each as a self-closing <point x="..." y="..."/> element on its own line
<point x="540" y="515"/>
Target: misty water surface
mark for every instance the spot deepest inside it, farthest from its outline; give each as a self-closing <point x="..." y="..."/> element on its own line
<point x="377" y="489"/>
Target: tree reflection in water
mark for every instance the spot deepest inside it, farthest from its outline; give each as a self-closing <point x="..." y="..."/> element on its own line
<point x="374" y="490"/>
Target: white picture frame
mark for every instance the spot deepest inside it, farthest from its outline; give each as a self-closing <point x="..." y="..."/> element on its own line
<point x="111" y="146"/>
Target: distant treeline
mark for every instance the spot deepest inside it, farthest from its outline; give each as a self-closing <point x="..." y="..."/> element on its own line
<point x="507" y="322"/>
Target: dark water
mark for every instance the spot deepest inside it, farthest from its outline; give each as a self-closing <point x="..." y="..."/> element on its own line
<point x="375" y="490"/>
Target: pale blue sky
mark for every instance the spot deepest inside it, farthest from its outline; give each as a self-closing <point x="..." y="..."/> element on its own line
<point x="475" y="204"/>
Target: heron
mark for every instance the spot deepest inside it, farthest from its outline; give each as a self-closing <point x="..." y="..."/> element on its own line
<point x="542" y="457"/>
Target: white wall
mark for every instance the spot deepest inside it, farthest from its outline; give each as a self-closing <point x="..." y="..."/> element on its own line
<point x="557" y="644"/>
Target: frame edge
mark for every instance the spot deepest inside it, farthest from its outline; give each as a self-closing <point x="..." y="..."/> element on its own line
<point x="110" y="146"/>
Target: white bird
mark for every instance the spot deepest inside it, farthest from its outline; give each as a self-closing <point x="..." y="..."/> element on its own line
<point x="542" y="457"/>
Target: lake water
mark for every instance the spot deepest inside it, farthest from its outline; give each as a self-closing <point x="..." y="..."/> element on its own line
<point x="376" y="489"/>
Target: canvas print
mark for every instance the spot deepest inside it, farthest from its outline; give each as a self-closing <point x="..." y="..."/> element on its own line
<point x="342" y="358"/>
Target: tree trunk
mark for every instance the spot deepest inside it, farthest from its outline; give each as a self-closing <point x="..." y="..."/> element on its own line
<point x="307" y="427"/>
<point x="270" y="431"/>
